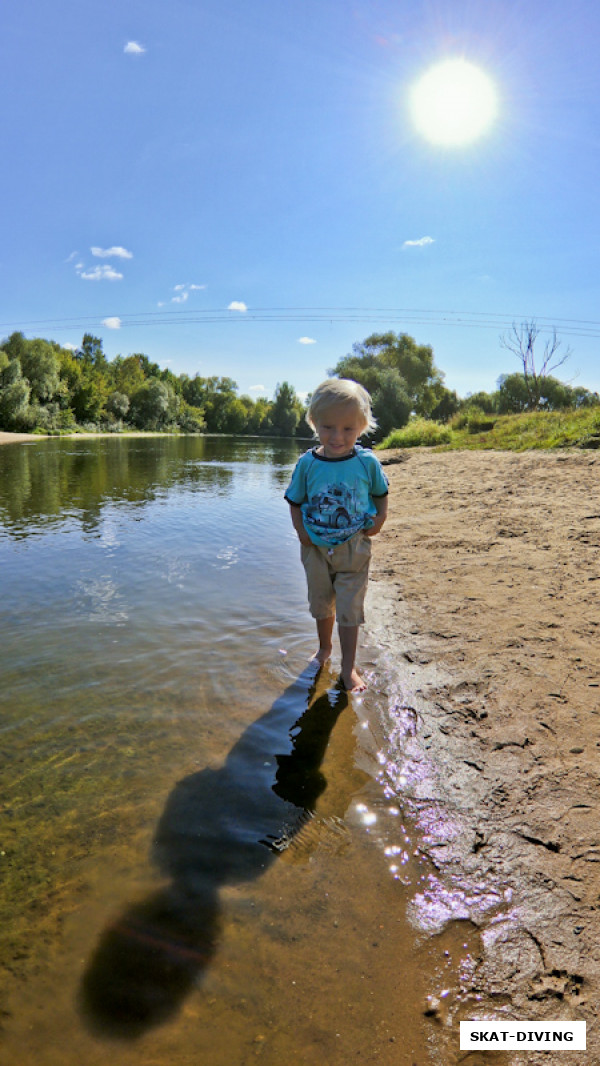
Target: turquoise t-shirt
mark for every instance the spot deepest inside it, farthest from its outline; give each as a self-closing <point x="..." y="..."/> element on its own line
<point x="337" y="495"/>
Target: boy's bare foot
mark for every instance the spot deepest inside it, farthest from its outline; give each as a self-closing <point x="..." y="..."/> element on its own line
<point x="353" y="682"/>
<point x="322" y="655"/>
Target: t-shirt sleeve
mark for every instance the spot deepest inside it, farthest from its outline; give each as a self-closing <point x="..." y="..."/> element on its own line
<point x="296" y="490"/>
<point x="379" y="482"/>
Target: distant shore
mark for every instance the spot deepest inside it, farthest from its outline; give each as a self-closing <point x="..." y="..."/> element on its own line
<point x="16" y="438"/>
<point x="22" y="438"/>
<point x="485" y="592"/>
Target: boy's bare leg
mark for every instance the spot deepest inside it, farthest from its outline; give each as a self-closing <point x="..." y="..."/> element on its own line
<point x="348" y="643"/>
<point x="325" y="633"/>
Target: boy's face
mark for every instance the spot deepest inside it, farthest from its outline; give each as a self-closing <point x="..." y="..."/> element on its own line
<point x="338" y="430"/>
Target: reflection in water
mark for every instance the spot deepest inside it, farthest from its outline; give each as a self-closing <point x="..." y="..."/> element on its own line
<point x="219" y="827"/>
<point x="61" y="481"/>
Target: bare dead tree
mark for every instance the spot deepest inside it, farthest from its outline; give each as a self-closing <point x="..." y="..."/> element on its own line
<point x="521" y="342"/>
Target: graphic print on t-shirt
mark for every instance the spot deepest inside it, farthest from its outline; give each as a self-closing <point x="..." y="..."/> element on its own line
<point x="335" y="508"/>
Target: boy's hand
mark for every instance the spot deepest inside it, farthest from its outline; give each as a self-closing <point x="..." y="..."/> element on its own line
<point x="381" y="504"/>
<point x="373" y="530"/>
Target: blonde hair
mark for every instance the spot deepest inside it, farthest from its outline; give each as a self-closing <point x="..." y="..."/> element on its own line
<point x="341" y="392"/>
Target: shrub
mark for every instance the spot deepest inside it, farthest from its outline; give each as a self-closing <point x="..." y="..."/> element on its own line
<point x="419" y="433"/>
<point x="474" y="419"/>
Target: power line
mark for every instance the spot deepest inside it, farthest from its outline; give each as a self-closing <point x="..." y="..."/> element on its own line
<point x="323" y="315"/>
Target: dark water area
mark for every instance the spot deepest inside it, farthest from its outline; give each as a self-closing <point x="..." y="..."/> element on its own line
<point x="198" y="859"/>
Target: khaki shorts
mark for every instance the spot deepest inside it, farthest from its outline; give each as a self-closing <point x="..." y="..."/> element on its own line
<point x="337" y="579"/>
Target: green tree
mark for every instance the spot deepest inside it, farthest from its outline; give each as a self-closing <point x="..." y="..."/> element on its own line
<point x="194" y="390"/>
<point x="70" y="370"/>
<point x="89" y="397"/>
<point x="234" y="417"/>
<point x="117" y="405"/>
<point x="258" y="415"/>
<point x="91" y="353"/>
<point x="397" y="372"/>
<point x="219" y="394"/>
<point x="514" y="394"/>
<point x="14" y="395"/>
<point x="14" y="346"/>
<point x="40" y="365"/>
<point x="391" y="403"/>
<point x="555" y="395"/>
<point x="484" y="401"/>
<point x="149" y="369"/>
<point x="190" y="419"/>
<point x="126" y="374"/>
<point x="584" y="398"/>
<point x="285" y="411"/>
<point x="436" y="401"/>
<point x="153" y="405"/>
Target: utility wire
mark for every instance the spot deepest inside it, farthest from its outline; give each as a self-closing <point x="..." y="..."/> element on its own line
<point x="326" y="315"/>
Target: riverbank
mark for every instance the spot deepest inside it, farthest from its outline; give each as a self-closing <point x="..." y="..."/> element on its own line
<point x="17" y="438"/>
<point x="21" y="438"/>
<point x="486" y="591"/>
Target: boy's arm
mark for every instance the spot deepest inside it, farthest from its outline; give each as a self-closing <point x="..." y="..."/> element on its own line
<point x="381" y="504"/>
<point x="298" y="524"/>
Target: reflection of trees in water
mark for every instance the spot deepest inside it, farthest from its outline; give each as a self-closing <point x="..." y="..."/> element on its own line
<point x="219" y="827"/>
<point x="56" y="481"/>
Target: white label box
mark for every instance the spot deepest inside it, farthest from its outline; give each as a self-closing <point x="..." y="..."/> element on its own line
<point x="486" y="1035"/>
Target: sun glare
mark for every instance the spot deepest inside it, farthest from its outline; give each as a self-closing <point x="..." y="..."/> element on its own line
<point x="453" y="103"/>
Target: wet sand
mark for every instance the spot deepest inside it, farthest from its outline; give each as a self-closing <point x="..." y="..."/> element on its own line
<point x="486" y="592"/>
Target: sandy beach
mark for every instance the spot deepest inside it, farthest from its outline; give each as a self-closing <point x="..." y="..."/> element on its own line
<point x="486" y="589"/>
<point x="22" y="438"/>
<point x="16" y="438"/>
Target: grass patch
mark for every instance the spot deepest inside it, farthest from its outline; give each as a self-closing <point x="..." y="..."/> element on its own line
<point x="537" y="429"/>
<point x="419" y="433"/>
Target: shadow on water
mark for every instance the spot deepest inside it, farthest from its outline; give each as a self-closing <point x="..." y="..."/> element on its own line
<point x="219" y="827"/>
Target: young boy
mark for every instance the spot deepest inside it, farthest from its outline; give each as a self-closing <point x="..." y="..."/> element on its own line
<point x="338" y="501"/>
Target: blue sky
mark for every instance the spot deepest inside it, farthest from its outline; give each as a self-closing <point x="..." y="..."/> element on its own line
<point x="195" y="180"/>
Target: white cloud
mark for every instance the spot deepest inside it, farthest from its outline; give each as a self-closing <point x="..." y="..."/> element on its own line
<point x="237" y="305"/>
<point x="133" y="48"/>
<point x="422" y="241"/>
<point x="72" y="256"/>
<point x="306" y="340"/>
<point x="257" y="388"/>
<point x="111" y="323"/>
<point x="71" y="347"/>
<point x="116" y="252"/>
<point x="184" y="292"/>
<point x="101" y="273"/>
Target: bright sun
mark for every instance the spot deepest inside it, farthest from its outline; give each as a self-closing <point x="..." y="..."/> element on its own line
<point x="453" y="103"/>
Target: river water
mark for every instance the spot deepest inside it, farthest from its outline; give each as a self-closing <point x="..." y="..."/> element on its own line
<point x="199" y="860"/>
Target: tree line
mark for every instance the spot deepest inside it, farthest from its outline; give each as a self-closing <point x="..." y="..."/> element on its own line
<point x="52" y="389"/>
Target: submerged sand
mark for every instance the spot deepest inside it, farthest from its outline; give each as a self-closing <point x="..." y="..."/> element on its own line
<point x="486" y="591"/>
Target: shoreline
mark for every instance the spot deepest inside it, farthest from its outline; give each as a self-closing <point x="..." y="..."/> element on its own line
<point x="485" y="594"/>
<point x="23" y="438"/>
